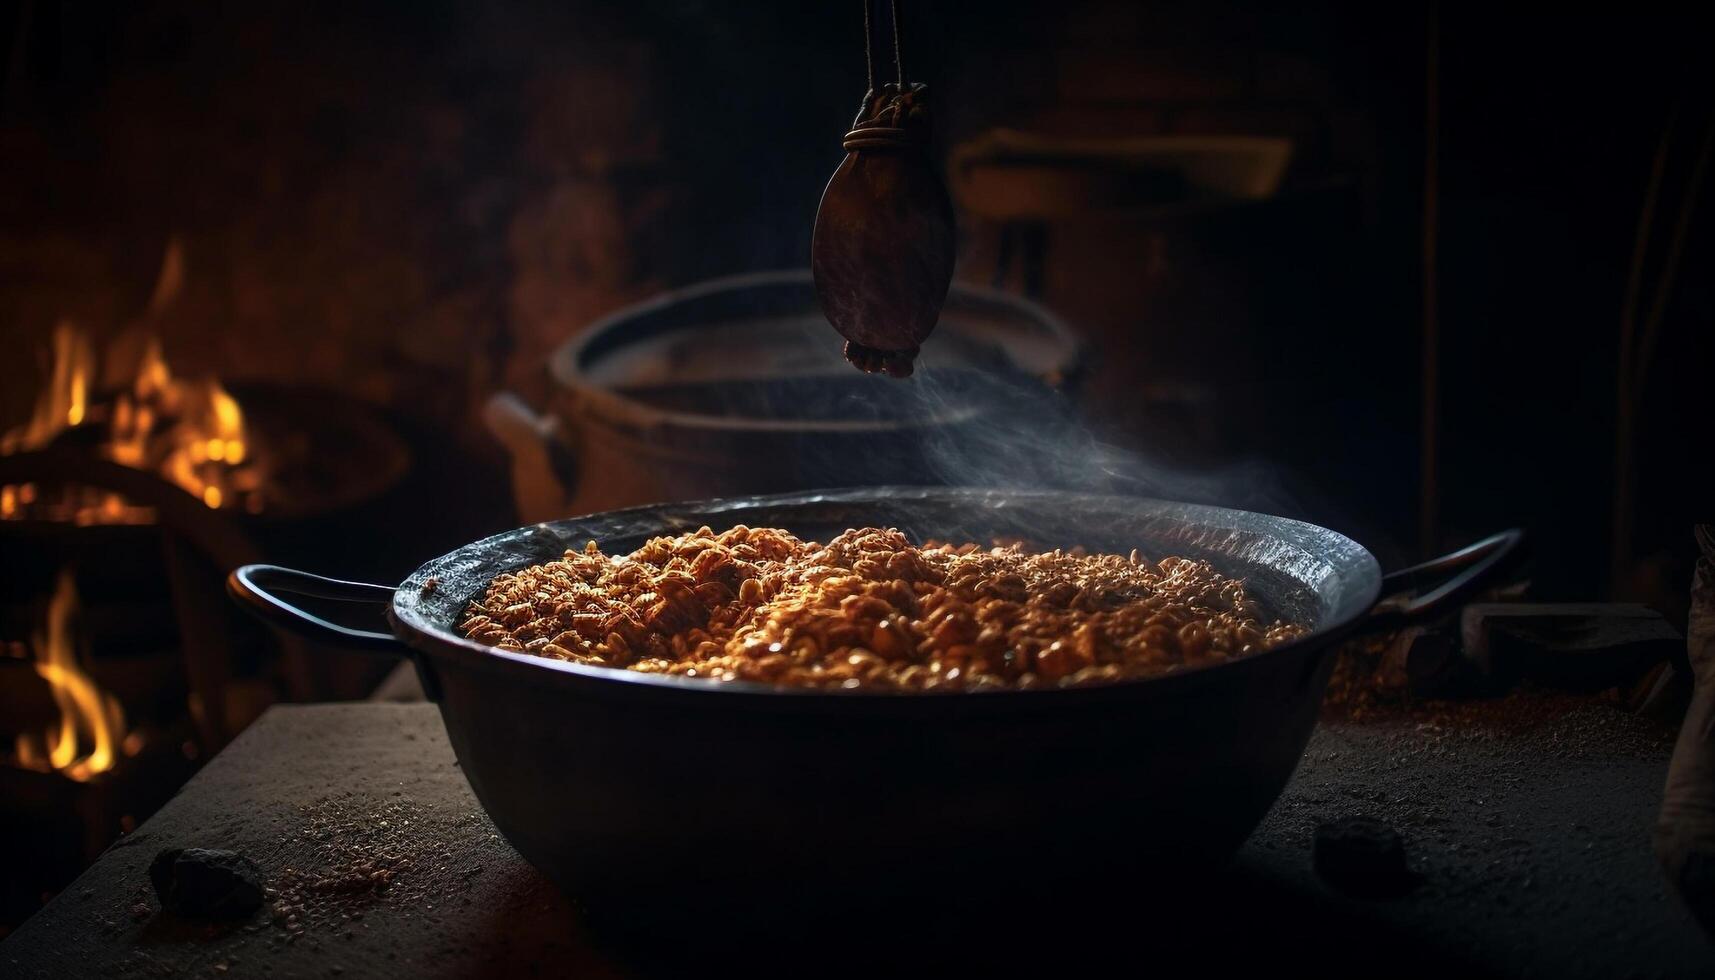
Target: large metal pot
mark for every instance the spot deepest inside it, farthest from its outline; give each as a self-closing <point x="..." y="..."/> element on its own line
<point x="736" y="386"/>
<point x="636" y="789"/>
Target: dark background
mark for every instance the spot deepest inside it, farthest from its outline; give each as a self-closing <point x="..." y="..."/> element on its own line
<point x="415" y="202"/>
<point x="1491" y="215"/>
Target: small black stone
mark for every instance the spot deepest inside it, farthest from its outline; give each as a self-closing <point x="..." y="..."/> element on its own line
<point x="206" y="884"/>
<point x="1363" y="857"/>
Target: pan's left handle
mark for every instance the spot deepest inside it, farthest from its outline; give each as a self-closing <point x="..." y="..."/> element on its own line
<point x="1422" y="591"/>
<point x="261" y="588"/>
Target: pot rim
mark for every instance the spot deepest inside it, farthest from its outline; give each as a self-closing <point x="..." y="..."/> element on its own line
<point x="565" y="364"/>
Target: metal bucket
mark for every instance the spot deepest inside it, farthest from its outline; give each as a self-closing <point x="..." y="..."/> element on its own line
<point x="736" y="386"/>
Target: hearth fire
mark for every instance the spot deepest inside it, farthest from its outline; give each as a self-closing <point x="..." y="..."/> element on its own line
<point x="89" y="735"/>
<point x="189" y="432"/>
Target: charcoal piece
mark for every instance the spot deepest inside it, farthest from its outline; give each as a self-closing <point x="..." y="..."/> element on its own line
<point x="201" y="883"/>
<point x="1362" y="857"/>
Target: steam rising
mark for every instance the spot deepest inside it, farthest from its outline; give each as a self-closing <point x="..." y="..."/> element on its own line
<point x="1035" y="439"/>
<point x="985" y="423"/>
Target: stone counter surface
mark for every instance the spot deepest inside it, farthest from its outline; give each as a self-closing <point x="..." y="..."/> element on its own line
<point x="1532" y="844"/>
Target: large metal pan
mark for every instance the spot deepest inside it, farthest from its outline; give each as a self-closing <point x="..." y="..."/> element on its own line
<point x="627" y="787"/>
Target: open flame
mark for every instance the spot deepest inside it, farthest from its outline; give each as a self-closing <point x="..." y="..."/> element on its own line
<point x="188" y="431"/>
<point x="83" y="743"/>
<point x="202" y="449"/>
<point x="64" y="402"/>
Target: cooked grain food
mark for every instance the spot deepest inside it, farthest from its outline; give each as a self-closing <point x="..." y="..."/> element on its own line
<point x="870" y="609"/>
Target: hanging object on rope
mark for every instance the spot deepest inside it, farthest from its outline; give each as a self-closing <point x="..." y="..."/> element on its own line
<point x="882" y="250"/>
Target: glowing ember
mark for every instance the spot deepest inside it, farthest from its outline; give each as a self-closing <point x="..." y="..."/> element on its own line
<point x="83" y="743"/>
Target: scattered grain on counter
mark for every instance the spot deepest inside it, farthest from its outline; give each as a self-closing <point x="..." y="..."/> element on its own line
<point x="364" y="853"/>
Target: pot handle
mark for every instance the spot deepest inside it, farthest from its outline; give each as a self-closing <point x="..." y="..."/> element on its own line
<point x="544" y="467"/>
<point x="1463" y="572"/>
<point x="258" y="589"/>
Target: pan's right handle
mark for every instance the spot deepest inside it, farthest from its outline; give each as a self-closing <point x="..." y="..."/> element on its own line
<point x="260" y="589"/>
<point x="1409" y="596"/>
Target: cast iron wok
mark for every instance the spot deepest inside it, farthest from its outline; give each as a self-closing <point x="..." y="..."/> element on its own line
<point x="636" y="790"/>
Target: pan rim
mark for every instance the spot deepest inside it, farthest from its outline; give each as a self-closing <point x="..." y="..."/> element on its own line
<point x="410" y="624"/>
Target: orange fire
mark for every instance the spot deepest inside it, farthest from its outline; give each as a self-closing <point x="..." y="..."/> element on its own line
<point x="203" y="451"/>
<point x="64" y="402"/>
<point x="190" y="432"/>
<point x="91" y="724"/>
